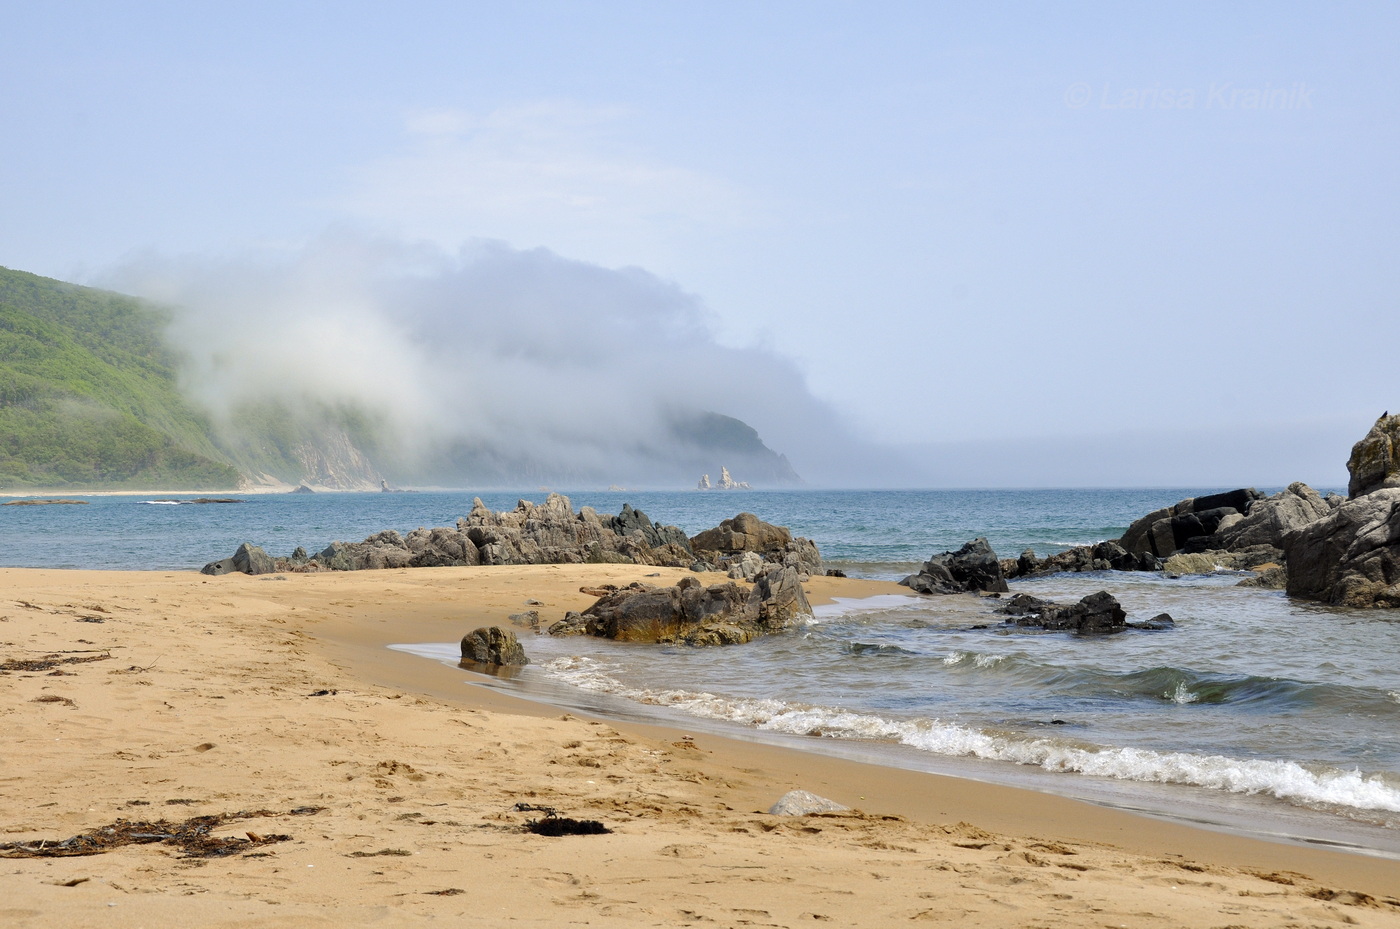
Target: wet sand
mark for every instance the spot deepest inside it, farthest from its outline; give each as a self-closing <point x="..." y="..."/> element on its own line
<point x="396" y="785"/>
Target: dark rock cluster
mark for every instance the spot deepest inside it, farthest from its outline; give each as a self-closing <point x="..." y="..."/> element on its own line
<point x="691" y="613"/>
<point x="974" y="567"/>
<point x="1097" y="614"/>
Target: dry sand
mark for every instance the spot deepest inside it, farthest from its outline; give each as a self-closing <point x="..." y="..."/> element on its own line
<point x="229" y="695"/>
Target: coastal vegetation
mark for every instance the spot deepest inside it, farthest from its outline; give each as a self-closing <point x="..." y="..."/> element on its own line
<point x="89" y="394"/>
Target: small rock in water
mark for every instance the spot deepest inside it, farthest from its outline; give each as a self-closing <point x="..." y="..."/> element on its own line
<point x="802" y="802"/>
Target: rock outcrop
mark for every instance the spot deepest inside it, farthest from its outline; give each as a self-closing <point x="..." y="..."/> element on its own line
<point x="1167" y="531"/>
<point x="728" y="543"/>
<point x="1375" y="460"/>
<point x="974" y="567"/>
<point x="1097" y="614"/>
<point x="691" y="613"/>
<point x="492" y="645"/>
<point x="1351" y="556"/>
<point x="552" y="533"/>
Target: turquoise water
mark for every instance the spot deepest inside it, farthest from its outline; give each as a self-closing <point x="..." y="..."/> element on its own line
<point x="1257" y="711"/>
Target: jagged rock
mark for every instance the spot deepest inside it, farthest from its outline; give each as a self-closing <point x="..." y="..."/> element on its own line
<point x="1350" y="557"/>
<point x="971" y="568"/>
<point x="727" y="544"/>
<point x="747" y="567"/>
<point x="550" y="533"/>
<point x="693" y="614"/>
<point x="1097" y="614"/>
<point x="1375" y="460"/>
<point x="249" y="559"/>
<point x="802" y="802"/>
<point x="1103" y="556"/>
<point x="492" y="645"/>
<point x="1270" y="519"/>
<point x="1165" y="532"/>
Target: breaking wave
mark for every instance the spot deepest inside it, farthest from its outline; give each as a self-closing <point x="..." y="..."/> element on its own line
<point x="1314" y="786"/>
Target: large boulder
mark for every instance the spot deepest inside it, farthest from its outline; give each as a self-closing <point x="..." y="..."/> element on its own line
<point x="974" y="567"/>
<point x="492" y="645"/>
<point x="732" y="540"/>
<point x="249" y="559"/>
<point x="1375" y="460"/>
<point x="744" y="533"/>
<point x="691" y="613"/>
<point x="1350" y="557"/>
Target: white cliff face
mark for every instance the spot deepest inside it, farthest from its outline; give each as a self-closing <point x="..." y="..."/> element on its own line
<point x="336" y="463"/>
<point x="726" y="482"/>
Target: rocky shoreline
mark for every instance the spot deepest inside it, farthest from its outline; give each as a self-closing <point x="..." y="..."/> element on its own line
<point x="1341" y="551"/>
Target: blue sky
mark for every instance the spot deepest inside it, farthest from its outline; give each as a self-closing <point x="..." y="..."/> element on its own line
<point x="1022" y="243"/>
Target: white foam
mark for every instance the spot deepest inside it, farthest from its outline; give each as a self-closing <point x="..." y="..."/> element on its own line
<point x="844" y="606"/>
<point x="1181" y="694"/>
<point x="1286" y="780"/>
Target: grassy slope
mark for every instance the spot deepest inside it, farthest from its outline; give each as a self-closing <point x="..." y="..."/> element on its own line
<point x="88" y="394"/>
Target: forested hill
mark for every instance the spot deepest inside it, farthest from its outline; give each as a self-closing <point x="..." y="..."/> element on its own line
<point x="89" y="397"/>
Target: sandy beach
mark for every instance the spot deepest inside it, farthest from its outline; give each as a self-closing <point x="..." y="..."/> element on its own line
<point x="349" y="784"/>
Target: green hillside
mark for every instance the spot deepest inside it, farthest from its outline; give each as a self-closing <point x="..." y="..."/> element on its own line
<point x="88" y="394"/>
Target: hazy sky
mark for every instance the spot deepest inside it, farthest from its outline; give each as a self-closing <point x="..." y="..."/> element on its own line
<point x="1033" y="244"/>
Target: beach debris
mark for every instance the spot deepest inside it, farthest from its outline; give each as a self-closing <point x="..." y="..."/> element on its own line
<point x="555" y="825"/>
<point x="323" y="693"/>
<point x="383" y="852"/>
<point x="803" y="802"/>
<point x="48" y="662"/>
<point x="194" y="837"/>
<point x="492" y="645"/>
<point x="974" y="567"/>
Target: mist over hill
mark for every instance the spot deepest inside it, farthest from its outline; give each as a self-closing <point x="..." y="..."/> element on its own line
<point x="354" y="361"/>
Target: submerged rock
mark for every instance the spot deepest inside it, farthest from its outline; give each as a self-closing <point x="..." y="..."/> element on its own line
<point x="1097" y="614"/>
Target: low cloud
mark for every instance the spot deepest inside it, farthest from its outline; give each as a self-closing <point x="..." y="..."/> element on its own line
<point x="523" y="353"/>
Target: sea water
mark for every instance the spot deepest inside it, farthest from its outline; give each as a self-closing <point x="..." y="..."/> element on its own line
<point x="1255" y="712"/>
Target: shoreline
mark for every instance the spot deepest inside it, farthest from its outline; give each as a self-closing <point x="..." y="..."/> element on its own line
<point x="241" y="693"/>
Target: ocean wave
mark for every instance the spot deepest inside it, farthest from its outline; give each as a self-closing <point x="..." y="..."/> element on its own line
<point x="1307" y="785"/>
